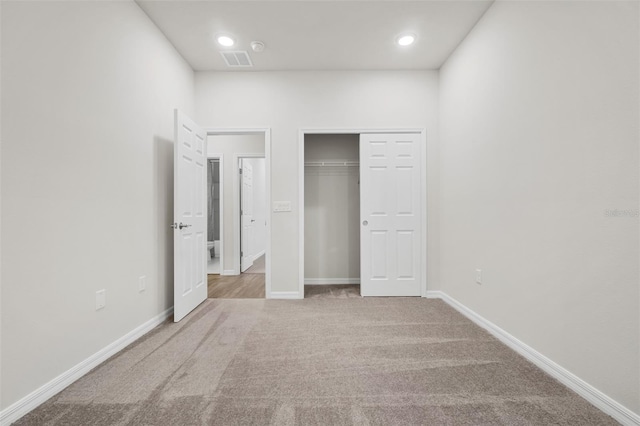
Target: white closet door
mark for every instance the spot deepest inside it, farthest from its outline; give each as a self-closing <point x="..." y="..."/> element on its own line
<point x="190" y="216"/>
<point x="246" y="216"/>
<point x="390" y="216"/>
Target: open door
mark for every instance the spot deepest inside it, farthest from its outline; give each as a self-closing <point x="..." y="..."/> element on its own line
<point x="390" y="215"/>
<point x="190" y="216"/>
<point x="246" y="216"/>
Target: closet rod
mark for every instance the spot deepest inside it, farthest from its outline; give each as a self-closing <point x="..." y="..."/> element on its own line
<point x="332" y="164"/>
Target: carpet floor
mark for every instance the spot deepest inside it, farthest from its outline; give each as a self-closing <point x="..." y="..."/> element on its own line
<point x="334" y="291"/>
<point x="350" y="361"/>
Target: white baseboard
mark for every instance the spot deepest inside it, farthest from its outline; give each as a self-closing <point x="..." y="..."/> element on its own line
<point x="258" y="255"/>
<point x="431" y="294"/>
<point x="570" y="380"/>
<point x="331" y="281"/>
<point x="284" y="295"/>
<point x="18" y="409"/>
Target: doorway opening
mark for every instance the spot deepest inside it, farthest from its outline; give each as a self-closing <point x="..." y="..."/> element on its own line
<point x="331" y="215"/>
<point x="214" y="219"/>
<point x="244" y="213"/>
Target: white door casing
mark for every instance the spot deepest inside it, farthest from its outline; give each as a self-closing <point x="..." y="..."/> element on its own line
<point x="246" y="216"/>
<point x="390" y="214"/>
<point x="190" y="216"/>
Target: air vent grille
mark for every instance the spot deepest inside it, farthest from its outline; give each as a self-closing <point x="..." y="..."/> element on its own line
<point x="237" y="59"/>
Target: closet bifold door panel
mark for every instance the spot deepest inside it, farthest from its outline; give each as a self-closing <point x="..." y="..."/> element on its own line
<point x="390" y="214"/>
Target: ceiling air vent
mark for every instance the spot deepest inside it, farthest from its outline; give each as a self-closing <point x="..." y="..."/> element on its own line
<point x="237" y="59"/>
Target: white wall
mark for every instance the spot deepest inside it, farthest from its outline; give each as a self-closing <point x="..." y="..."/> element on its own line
<point x="259" y="243"/>
<point x="539" y="132"/>
<point x="88" y="92"/>
<point x="228" y="146"/>
<point x="288" y="101"/>
<point x="331" y="209"/>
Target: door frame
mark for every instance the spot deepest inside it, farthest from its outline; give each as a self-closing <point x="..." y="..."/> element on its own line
<point x="423" y="193"/>
<point x="237" y="225"/>
<point x="266" y="131"/>
<point x="220" y="158"/>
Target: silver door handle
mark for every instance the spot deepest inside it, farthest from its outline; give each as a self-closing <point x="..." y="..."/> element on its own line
<point x="252" y="220"/>
<point x="365" y="223"/>
<point x="182" y="225"/>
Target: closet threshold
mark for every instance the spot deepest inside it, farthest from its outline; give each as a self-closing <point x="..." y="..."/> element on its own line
<point x="332" y="164"/>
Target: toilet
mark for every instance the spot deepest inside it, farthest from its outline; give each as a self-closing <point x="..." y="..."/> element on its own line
<point x="210" y="245"/>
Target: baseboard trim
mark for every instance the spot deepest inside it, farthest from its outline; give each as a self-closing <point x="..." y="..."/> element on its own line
<point x="284" y="295"/>
<point x="258" y="255"/>
<point x="331" y="281"/>
<point x="20" y="408"/>
<point x="431" y="294"/>
<point x="570" y="380"/>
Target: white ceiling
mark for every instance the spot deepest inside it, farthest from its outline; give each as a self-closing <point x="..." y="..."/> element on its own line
<point x="317" y="35"/>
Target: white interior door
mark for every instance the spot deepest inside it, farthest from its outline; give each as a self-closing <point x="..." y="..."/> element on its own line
<point x="246" y="215"/>
<point x="190" y="216"/>
<point x="390" y="215"/>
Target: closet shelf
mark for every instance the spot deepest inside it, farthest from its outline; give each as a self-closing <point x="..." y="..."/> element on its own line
<point x="332" y="164"/>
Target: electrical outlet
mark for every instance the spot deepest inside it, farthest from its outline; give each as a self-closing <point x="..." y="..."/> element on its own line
<point x="101" y="299"/>
<point x="142" y="283"/>
<point x="479" y="276"/>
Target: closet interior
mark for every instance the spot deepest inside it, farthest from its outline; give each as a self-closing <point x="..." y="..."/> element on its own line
<point x="331" y="215"/>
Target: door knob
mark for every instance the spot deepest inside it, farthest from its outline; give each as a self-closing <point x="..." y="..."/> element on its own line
<point x="252" y="220"/>
<point x="182" y="225"/>
<point x="365" y="223"/>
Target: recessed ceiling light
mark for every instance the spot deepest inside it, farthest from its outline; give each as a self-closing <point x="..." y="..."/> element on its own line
<point x="226" y="41"/>
<point x="406" y="39"/>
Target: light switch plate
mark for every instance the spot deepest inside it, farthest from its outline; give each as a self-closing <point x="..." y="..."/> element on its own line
<point x="101" y="299"/>
<point x="282" y="206"/>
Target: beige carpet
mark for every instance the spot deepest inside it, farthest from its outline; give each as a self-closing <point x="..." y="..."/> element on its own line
<point x="351" y="361"/>
<point x="334" y="291"/>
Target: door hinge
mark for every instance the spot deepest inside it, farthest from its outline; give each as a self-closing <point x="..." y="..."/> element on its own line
<point x="240" y="171"/>
<point x="241" y="253"/>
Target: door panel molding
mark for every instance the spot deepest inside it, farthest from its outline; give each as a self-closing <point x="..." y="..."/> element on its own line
<point x="189" y="242"/>
<point x="390" y="214"/>
<point x="246" y="215"/>
<point x="236" y="207"/>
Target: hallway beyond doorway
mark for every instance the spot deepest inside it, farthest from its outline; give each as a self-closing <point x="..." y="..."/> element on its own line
<point x="248" y="285"/>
